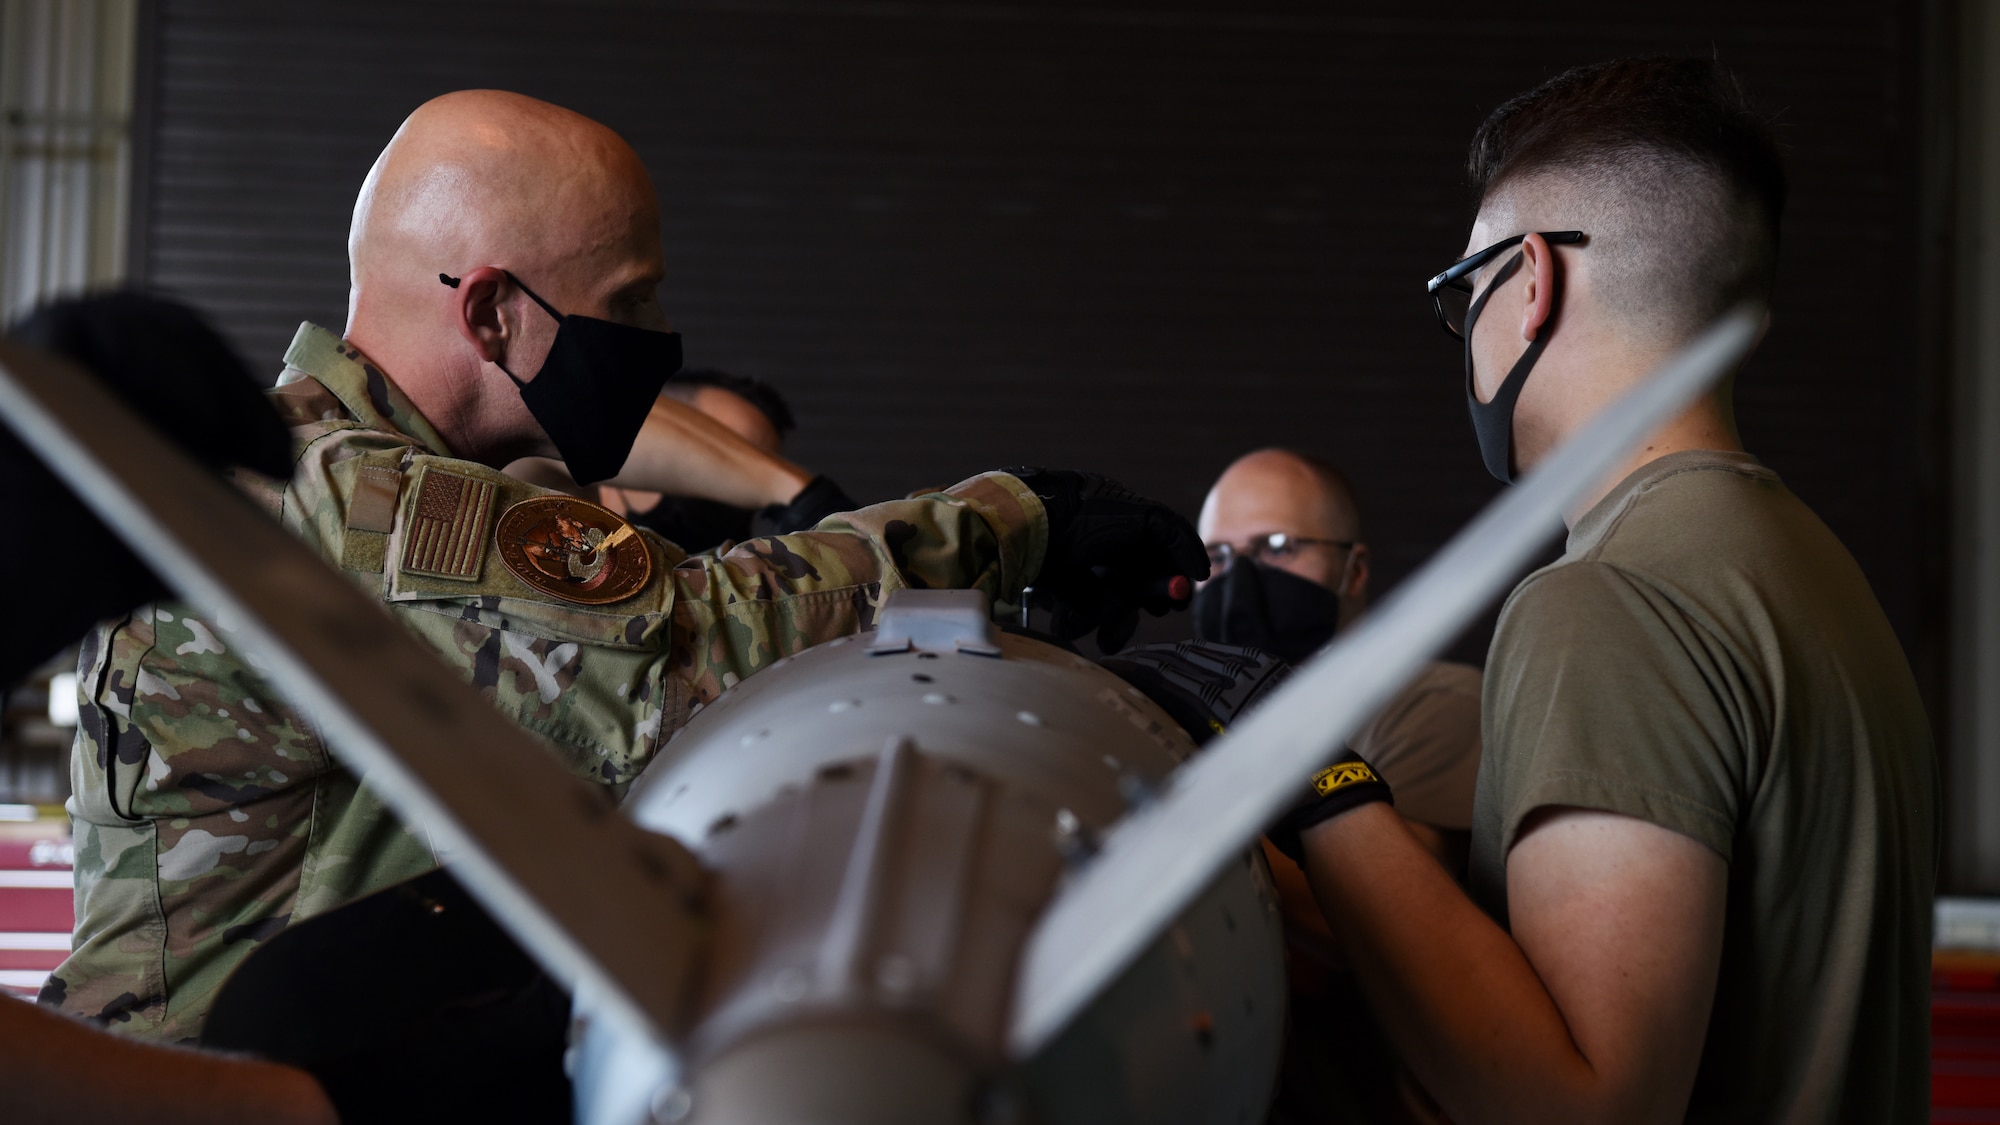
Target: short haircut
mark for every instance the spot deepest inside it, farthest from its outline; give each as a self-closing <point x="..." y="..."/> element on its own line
<point x="749" y="388"/>
<point x="1665" y="166"/>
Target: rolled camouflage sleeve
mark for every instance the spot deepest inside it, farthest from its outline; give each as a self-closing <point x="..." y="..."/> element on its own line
<point x="768" y="598"/>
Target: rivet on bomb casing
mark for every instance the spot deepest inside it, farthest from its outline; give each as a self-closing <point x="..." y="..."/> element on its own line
<point x="1073" y="838"/>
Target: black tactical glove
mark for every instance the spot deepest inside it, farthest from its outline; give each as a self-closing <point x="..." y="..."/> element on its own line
<point x="1207" y="685"/>
<point x="172" y="369"/>
<point x="1204" y="685"/>
<point x="1349" y="783"/>
<point x="816" y="501"/>
<point x="1111" y="553"/>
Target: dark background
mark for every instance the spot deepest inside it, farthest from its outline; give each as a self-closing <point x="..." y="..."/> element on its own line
<point x="1138" y="238"/>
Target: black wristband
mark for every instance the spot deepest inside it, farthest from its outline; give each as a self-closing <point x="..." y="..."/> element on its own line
<point x="1349" y="783"/>
<point x="819" y="499"/>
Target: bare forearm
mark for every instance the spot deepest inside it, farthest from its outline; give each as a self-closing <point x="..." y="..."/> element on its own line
<point x="683" y="452"/>
<point x="56" y="1069"/>
<point x="1457" y="995"/>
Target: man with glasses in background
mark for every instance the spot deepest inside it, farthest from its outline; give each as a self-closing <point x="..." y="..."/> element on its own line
<point x="1288" y="569"/>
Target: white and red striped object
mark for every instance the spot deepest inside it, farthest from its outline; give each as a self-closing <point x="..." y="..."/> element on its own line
<point x="37" y="907"/>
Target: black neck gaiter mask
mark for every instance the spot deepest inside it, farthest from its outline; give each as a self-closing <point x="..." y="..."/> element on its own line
<point x="1268" y="609"/>
<point x="593" y="392"/>
<point x="1493" y="422"/>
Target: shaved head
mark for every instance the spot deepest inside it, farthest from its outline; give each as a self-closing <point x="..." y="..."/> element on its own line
<point x="479" y="185"/>
<point x="486" y="177"/>
<point x="1279" y="491"/>
<point x="1293" y="493"/>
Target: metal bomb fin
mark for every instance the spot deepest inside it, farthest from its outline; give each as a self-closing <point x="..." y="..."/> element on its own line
<point x="1156" y="861"/>
<point x="436" y="752"/>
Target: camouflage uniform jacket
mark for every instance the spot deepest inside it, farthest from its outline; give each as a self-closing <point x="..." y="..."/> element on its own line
<point x="208" y="812"/>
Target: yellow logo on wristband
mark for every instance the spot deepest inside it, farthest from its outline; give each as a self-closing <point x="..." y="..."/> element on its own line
<point x="1340" y="775"/>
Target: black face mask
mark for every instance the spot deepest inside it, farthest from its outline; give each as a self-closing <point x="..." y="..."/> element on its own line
<point x="1493" y="422"/>
<point x="593" y="392"/>
<point x="1266" y="608"/>
<point x="695" y="525"/>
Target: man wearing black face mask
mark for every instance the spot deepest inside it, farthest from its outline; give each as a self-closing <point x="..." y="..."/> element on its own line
<point x="1289" y="570"/>
<point x="1705" y="832"/>
<point x="505" y="260"/>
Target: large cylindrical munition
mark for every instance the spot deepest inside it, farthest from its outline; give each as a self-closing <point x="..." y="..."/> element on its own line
<point x="885" y="817"/>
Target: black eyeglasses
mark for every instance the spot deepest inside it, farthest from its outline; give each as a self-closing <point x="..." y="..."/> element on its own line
<point x="1276" y="545"/>
<point x="1451" y="291"/>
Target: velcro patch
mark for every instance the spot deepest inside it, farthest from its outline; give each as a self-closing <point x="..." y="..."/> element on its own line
<point x="374" y="505"/>
<point x="445" y="536"/>
<point x="1340" y="775"/>
<point x="573" y="549"/>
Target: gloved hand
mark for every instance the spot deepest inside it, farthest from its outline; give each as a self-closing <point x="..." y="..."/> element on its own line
<point x="1111" y="553"/>
<point x="1349" y="783"/>
<point x="1204" y="685"/>
<point x="173" y="369"/>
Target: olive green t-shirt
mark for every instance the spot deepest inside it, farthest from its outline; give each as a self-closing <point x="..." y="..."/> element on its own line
<point x="1706" y="656"/>
<point x="1425" y="744"/>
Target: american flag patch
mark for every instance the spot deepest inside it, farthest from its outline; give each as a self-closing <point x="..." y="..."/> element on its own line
<point x="446" y="533"/>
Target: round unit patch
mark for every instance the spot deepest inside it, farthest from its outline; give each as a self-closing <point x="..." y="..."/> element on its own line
<point x="573" y="549"/>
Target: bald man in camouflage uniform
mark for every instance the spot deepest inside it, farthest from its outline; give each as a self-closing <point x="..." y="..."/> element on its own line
<point x="208" y="812"/>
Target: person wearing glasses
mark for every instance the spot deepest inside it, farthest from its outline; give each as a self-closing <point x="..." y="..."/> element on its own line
<point x="1705" y="833"/>
<point x="1288" y="569"/>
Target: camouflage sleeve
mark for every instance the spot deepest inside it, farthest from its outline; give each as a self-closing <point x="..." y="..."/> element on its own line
<point x="769" y="598"/>
<point x="202" y="804"/>
<point x="208" y="812"/>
